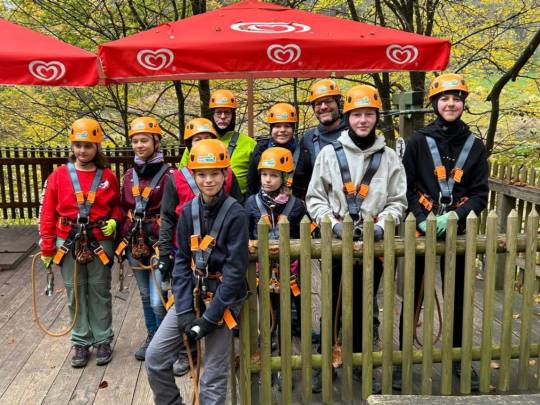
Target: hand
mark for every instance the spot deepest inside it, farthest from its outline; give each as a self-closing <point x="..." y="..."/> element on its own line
<point x="165" y="266"/>
<point x="200" y="328"/>
<point x="185" y="320"/>
<point x="442" y="224"/>
<point x="378" y="232"/>
<point x="46" y="260"/>
<point x="109" y="227"/>
<point x="422" y="226"/>
<point x="338" y="230"/>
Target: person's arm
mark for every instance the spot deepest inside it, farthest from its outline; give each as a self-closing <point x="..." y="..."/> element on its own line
<point x="115" y="212"/>
<point x="410" y="160"/>
<point x="181" y="280"/>
<point x="295" y="217"/>
<point x="302" y="172"/>
<point x="168" y="217"/>
<point x="396" y="200"/>
<point x="235" y="192"/>
<point x="320" y="186"/>
<point x="477" y="184"/>
<point x="234" y="267"/>
<point x="48" y="217"/>
<point x="253" y="178"/>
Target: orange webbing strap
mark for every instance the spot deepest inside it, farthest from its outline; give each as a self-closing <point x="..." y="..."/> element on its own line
<point x="229" y="320"/>
<point x="425" y="202"/>
<point x="195" y="242"/>
<point x="91" y="197"/>
<point x="135" y="190"/>
<point x="295" y="289"/>
<point x="146" y="192"/>
<point x="313" y="226"/>
<point x="363" y="190"/>
<point x="60" y="253"/>
<point x="80" y="197"/>
<point x="170" y="302"/>
<point x="458" y="174"/>
<point x="100" y="253"/>
<point x="121" y="247"/>
<point x="206" y="242"/>
<point x="349" y="188"/>
<point x="440" y="172"/>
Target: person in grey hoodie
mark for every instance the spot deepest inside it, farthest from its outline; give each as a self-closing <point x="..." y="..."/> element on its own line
<point x="365" y="155"/>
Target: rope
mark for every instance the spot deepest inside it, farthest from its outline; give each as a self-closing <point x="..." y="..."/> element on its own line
<point x="35" y="314"/>
<point x="152" y="268"/>
<point x="417" y="316"/>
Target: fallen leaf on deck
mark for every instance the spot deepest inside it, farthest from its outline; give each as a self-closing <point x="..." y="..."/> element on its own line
<point x="479" y="276"/>
<point x="256" y="357"/>
<point x="515" y="317"/>
<point x="537" y="298"/>
<point x="492" y="388"/>
<point x="532" y="362"/>
<point x="495" y="365"/>
<point x="337" y="361"/>
<point x="103" y="384"/>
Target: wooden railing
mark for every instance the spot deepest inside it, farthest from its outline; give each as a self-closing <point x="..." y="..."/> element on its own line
<point x="257" y="363"/>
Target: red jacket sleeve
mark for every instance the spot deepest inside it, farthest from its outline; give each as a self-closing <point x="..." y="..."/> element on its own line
<point x="48" y="216"/>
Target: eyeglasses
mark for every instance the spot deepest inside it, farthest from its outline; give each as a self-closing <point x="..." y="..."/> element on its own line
<point x="225" y="113"/>
<point x="328" y="102"/>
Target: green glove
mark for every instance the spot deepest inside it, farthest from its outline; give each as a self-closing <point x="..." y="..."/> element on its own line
<point x="442" y="223"/>
<point x="109" y="227"/>
<point x="46" y="260"/>
<point x="422" y="226"/>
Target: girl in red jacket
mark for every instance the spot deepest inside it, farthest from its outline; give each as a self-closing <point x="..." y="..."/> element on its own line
<point x="140" y="202"/>
<point x="77" y="224"/>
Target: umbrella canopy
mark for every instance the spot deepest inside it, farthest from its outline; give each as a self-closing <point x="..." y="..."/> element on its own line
<point x="257" y="39"/>
<point x="29" y="57"/>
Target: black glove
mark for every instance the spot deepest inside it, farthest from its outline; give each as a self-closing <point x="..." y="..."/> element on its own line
<point x="338" y="230"/>
<point x="165" y="266"/>
<point x="202" y="328"/>
<point x="185" y="320"/>
<point x="378" y="233"/>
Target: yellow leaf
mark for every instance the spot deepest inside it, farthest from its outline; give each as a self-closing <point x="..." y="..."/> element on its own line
<point x="337" y="361"/>
<point x="495" y="365"/>
<point x="532" y="362"/>
<point x="515" y="316"/>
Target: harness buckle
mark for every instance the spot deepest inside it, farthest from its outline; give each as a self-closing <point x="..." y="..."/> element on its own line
<point x="444" y="203"/>
<point x="363" y="191"/>
<point x="440" y="172"/>
<point x="458" y="174"/>
<point x="82" y="220"/>
<point x="349" y="188"/>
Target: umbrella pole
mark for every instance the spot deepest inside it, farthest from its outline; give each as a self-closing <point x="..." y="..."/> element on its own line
<point x="250" y="83"/>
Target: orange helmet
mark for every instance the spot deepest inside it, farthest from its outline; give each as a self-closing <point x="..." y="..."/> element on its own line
<point x="323" y="88"/>
<point x="277" y="158"/>
<point x="223" y="99"/>
<point x="281" y="112"/>
<point x="144" y="125"/>
<point x="86" y="130"/>
<point x="447" y="82"/>
<point x="362" y="96"/>
<point x="197" y="126"/>
<point x="208" y="154"/>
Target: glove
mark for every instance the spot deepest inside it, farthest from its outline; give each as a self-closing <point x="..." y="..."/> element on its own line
<point x="46" y="260"/>
<point x="422" y="226"/>
<point x="202" y="328"/>
<point x="338" y="230"/>
<point x="378" y="232"/>
<point x="185" y="320"/>
<point x="165" y="266"/>
<point x="442" y="223"/>
<point x="109" y="227"/>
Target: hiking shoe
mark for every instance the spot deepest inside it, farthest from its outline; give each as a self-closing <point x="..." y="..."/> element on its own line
<point x="375" y="383"/>
<point x="140" y="354"/>
<point x="475" y="380"/>
<point x="103" y="354"/>
<point x="181" y="365"/>
<point x="396" y="378"/>
<point x="80" y="356"/>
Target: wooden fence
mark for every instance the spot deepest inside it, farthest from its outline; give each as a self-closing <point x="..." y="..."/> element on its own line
<point x="257" y="363"/>
<point x="24" y="170"/>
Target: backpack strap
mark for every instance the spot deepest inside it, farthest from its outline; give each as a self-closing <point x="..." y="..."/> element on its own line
<point x="232" y="144"/>
<point x="190" y="180"/>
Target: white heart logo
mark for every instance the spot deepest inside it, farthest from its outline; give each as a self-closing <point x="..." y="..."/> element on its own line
<point x="270" y="27"/>
<point x="402" y="54"/>
<point x="47" y="71"/>
<point x="284" y="54"/>
<point x="155" y="60"/>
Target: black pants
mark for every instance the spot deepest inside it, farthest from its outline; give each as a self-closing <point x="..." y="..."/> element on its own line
<point x="357" y="297"/>
<point x="458" y="298"/>
<point x="295" y="322"/>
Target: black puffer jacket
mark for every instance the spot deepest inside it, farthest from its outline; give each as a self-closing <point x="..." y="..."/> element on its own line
<point x="420" y="169"/>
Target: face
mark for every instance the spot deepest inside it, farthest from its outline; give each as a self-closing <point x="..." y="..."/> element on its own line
<point x="270" y="180"/>
<point x="326" y="110"/>
<point x="209" y="181"/>
<point x="362" y="121"/>
<point x="450" y="107"/>
<point x="84" y="151"/>
<point x="143" y="145"/>
<point x="200" y="136"/>
<point x="282" y="133"/>
<point x="223" y="117"/>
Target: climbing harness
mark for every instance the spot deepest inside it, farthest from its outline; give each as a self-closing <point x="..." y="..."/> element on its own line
<point x="233" y="143"/>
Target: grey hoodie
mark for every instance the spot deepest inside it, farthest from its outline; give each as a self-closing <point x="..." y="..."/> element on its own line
<point x="387" y="190"/>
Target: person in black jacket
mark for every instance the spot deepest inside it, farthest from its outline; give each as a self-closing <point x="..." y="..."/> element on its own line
<point x="447" y="170"/>
<point x="219" y="274"/>
<point x="325" y="99"/>
<point x="282" y="118"/>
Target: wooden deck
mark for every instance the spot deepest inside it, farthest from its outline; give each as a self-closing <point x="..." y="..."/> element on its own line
<point x="35" y="369"/>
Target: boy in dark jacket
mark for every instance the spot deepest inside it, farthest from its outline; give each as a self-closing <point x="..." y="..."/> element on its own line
<point x="447" y="170"/>
<point x="217" y="270"/>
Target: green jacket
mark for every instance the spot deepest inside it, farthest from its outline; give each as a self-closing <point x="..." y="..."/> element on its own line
<point x="240" y="157"/>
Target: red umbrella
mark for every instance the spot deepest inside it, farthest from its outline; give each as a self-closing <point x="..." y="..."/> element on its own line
<point x="255" y="39"/>
<point x="29" y="57"/>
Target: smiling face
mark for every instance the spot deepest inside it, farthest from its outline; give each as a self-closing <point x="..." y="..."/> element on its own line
<point x="362" y="121"/>
<point x="84" y="152"/>
<point x="450" y="107"/>
<point x="209" y="181"/>
<point x="143" y="146"/>
<point x="326" y="110"/>
<point x="282" y="133"/>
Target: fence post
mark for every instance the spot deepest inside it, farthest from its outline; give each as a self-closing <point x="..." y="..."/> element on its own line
<point x="326" y="324"/>
<point x="285" y="311"/>
<point x="505" y="204"/>
<point x="305" y="283"/>
<point x="367" y="308"/>
<point x="388" y="304"/>
<point x="347" y="308"/>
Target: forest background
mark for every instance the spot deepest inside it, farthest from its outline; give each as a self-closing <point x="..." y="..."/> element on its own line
<point x="494" y="44"/>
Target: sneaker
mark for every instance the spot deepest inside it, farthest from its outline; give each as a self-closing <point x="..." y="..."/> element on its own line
<point x="181" y="365"/>
<point x="375" y="383"/>
<point x="80" y="356"/>
<point x="140" y="354"/>
<point x="103" y="354"/>
<point x="396" y="378"/>
<point x="475" y="380"/>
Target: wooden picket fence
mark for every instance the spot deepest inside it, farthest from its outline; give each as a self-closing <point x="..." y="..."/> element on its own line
<point x="257" y="363"/>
